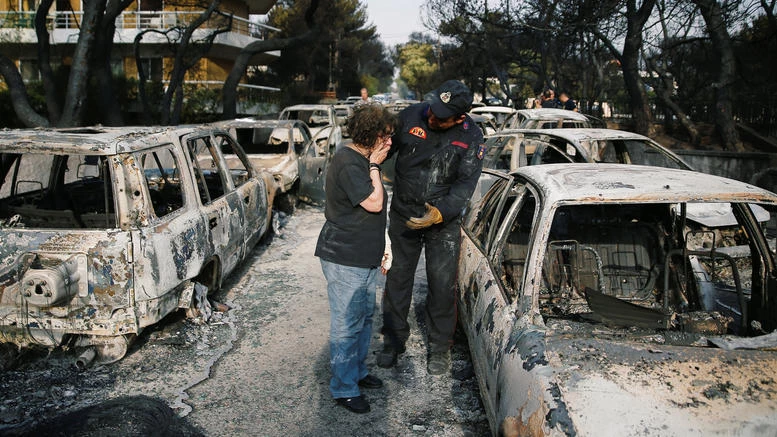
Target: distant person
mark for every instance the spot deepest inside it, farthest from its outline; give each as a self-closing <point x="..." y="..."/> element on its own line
<point x="606" y="110"/>
<point x="351" y="249"/>
<point x="566" y="102"/>
<point x="365" y="97"/>
<point x="549" y="99"/>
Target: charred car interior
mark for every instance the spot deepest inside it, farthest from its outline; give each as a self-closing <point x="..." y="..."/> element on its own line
<point x="75" y="193"/>
<point x="647" y="266"/>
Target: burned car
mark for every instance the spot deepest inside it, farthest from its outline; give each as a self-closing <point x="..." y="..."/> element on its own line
<point x="273" y="145"/>
<point x="286" y="149"/>
<point x="550" y="118"/>
<point x="592" y="302"/>
<point x="317" y="117"/>
<point x="342" y="112"/>
<point x="486" y="122"/>
<point x="510" y="149"/>
<point x="499" y="113"/>
<point x="105" y="231"/>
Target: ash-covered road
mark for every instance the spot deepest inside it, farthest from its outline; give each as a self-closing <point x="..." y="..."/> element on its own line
<point x="259" y="369"/>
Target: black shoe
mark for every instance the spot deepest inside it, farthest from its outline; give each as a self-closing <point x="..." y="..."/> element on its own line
<point x="370" y="381"/>
<point x="388" y="356"/>
<point x="356" y="404"/>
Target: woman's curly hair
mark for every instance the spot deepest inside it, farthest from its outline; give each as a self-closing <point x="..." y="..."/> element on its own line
<point x="368" y="122"/>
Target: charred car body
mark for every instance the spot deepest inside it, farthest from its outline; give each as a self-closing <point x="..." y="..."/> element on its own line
<point x="272" y="145"/>
<point x="105" y="231"/>
<point x="549" y="118"/>
<point x="318" y="117"/>
<point x="296" y="158"/>
<point x="511" y="149"/>
<point x="595" y="301"/>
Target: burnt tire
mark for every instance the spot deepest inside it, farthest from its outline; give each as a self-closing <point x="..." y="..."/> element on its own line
<point x="286" y="203"/>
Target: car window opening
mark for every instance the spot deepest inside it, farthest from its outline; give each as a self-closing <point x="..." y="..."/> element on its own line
<point x="56" y="191"/>
<point x="648" y="267"/>
<point x="163" y="181"/>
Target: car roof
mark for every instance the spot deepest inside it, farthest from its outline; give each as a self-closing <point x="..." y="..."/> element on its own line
<point x="552" y="114"/>
<point x="254" y="122"/>
<point x="480" y="117"/>
<point x="306" y="107"/>
<point x="495" y="109"/>
<point x="581" y="134"/>
<point x="608" y="183"/>
<point x="91" y="140"/>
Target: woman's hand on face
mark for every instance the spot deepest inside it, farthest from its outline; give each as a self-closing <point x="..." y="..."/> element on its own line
<point x="380" y="152"/>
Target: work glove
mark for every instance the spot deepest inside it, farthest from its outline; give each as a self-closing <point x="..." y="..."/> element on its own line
<point x="432" y="217"/>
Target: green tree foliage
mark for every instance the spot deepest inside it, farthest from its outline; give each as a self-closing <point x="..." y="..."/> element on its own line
<point x="346" y="51"/>
<point x="418" y="66"/>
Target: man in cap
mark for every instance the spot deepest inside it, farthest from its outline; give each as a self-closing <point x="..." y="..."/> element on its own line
<point x="439" y="152"/>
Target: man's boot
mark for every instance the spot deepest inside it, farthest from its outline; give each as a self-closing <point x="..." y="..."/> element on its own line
<point x="388" y="356"/>
<point x="439" y="362"/>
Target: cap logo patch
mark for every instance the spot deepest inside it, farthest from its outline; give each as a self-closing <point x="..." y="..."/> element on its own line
<point x="445" y="97"/>
<point x="418" y="132"/>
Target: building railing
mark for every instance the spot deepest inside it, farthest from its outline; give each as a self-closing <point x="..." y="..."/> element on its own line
<point x="218" y="84"/>
<point x="135" y="20"/>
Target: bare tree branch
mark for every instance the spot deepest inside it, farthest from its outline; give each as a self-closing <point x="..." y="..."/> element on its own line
<point x="229" y="90"/>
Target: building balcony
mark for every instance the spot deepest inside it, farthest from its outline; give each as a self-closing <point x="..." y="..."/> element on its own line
<point x="159" y="29"/>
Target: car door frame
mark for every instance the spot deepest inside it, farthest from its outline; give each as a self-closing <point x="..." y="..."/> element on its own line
<point x="224" y="215"/>
<point x="253" y="193"/>
<point x="313" y="165"/>
<point x="498" y="324"/>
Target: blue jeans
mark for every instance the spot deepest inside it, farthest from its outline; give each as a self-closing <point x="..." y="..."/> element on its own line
<point x="351" y="293"/>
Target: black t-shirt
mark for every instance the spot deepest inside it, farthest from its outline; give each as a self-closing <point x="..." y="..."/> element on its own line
<point x="351" y="236"/>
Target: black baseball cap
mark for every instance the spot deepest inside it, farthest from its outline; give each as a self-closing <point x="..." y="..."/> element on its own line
<point x="451" y="98"/>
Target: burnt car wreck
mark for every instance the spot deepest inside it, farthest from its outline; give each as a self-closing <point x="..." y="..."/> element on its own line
<point x="636" y="300"/>
<point x="106" y="231"/>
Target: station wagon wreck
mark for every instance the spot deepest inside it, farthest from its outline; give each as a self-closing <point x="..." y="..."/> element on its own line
<point x="622" y="300"/>
<point x="105" y="231"/>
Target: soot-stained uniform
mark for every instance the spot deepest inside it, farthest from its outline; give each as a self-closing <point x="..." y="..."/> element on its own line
<point x="440" y="168"/>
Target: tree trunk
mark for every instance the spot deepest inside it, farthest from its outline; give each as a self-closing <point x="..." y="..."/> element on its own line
<point x="101" y="66"/>
<point x="638" y="101"/>
<point x="664" y="89"/>
<point x="629" y="59"/>
<point x="77" y="91"/>
<point x="721" y="41"/>
<point x="229" y="91"/>
<point x="44" y="62"/>
<point x="18" y="92"/>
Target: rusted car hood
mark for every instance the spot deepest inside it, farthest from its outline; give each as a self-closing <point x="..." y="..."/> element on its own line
<point x="631" y="387"/>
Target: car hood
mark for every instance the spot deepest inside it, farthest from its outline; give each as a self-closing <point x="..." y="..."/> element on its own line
<point x="637" y="388"/>
<point x="273" y="163"/>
